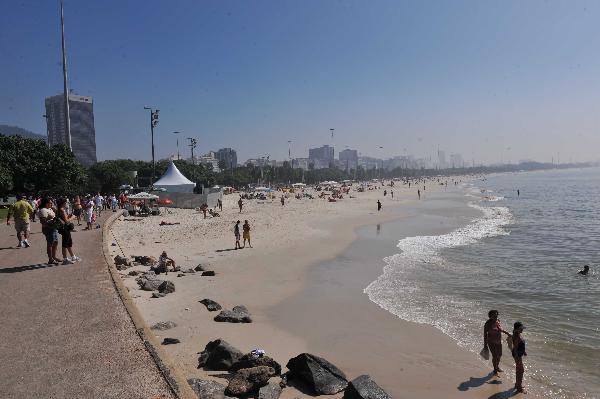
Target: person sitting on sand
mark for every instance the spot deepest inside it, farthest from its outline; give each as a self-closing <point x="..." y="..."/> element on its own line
<point x="492" y="339"/>
<point x="246" y="228"/>
<point x="163" y="264"/>
<point x="585" y="271"/>
<point x="214" y="214"/>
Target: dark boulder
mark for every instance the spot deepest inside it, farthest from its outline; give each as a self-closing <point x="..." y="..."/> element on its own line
<point x="170" y="341"/>
<point x="239" y="314"/>
<point x="145" y="260"/>
<point x="163" y="325"/>
<point x="158" y="295"/>
<point x="206" y="389"/>
<point x="270" y="391"/>
<point x="151" y="285"/>
<point x="166" y="287"/>
<point x="208" y="273"/>
<point x="211" y="305"/>
<point x="248" y="361"/>
<point x="246" y="381"/>
<point x="363" y="387"/>
<point x="219" y="355"/>
<point x="199" y="268"/>
<point x="321" y="376"/>
<point x="133" y="273"/>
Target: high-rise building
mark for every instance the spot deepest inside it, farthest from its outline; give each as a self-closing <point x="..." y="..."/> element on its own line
<point x="321" y="157"/>
<point x="348" y="159"/>
<point x="83" y="133"/>
<point x="441" y="159"/>
<point x="456" y="161"/>
<point x="228" y="156"/>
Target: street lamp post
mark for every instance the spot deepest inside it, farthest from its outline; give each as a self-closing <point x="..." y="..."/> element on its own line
<point x="176" y="133"/>
<point x="153" y="123"/>
<point x="193" y="144"/>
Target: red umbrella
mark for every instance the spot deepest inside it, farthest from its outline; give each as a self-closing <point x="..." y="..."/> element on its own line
<point x="165" y="202"/>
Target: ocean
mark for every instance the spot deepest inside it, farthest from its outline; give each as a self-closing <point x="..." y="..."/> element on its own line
<point x="520" y="256"/>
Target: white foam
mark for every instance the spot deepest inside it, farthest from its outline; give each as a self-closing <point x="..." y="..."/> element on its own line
<point x="411" y="299"/>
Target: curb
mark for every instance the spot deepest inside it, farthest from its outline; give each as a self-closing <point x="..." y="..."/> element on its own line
<point x="172" y="375"/>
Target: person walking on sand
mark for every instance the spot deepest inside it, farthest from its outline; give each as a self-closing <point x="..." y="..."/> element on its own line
<point x="392" y="194"/>
<point x="246" y="228"/>
<point x="419" y="193"/>
<point x="518" y="351"/>
<point x="282" y="200"/>
<point x="378" y="205"/>
<point x="47" y="219"/>
<point x="22" y="212"/>
<point x="240" y="204"/>
<point x="492" y="339"/>
<point x="65" y="231"/>
<point x="236" y="232"/>
<point x="220" y="204"/>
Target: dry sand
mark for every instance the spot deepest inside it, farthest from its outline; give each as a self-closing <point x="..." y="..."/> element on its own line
<point x="287" y="240"/>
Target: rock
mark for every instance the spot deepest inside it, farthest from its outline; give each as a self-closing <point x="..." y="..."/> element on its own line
<point x="190" y="271"/>
<point x="170" y="341"/>
<point x="321" y="376"/>
<point x="166" y="287"/>
<point x="133" y="273"/>
<point x="363" y="387"/>
<point x="205" y="389"/>
<point x="199" y="268"/>
<point x="270" y="391"/>
<point x="122" y="261"/>
<point x="219" y="355"/>
<point x="239" y="314"/>
<point x="158" y="295"/>
<point x="152" y="285"/>
<point x="208" y="273"/>
<point x="149" y="281"/>
<point x="181" y="275"/>
<point x="211" y="305"/>
<point x="248" y="361"/>
<point x="163" y="325"/>
<point x="145" y="260"/>
<point x="249" y="380"/>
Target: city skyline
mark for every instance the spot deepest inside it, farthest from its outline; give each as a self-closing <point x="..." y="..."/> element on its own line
<point x="238" y="80"/>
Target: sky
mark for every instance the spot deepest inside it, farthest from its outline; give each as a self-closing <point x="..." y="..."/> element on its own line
<point x="491" y="80"/>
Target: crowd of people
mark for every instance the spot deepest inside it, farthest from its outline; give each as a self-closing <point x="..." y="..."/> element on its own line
<point x="58" y="217"/>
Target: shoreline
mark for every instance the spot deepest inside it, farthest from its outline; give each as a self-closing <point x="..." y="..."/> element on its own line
<point x="266" y="278"/>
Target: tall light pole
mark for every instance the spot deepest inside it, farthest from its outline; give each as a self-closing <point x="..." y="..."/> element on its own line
<point x="153" y="123"/>
<point x="192" y="145"/>
<point x="65" y="89"/>
<point x="176" y="133"/>
<point x="290" y="153"/>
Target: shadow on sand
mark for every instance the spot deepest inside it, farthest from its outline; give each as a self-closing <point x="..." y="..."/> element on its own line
<point x="504" y="395"/>
<point x="475" y="382"/>
<point x="27" y="268"/>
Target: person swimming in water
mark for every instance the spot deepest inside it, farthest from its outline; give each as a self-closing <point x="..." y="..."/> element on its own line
<point x="585" y="271"/>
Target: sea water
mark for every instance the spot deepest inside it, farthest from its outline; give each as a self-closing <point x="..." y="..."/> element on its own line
<point x="520" y="256"/>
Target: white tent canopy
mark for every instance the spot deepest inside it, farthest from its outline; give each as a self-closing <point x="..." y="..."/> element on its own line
<point x="174" y="181"/>
<point x="298" y="185"/>
<point x="143" y="195"/>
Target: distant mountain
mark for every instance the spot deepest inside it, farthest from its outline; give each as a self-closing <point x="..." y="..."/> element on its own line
<point x="15" y="130"/>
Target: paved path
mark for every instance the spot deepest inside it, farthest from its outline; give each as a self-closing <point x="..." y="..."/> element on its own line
<point x="64" y="332"/>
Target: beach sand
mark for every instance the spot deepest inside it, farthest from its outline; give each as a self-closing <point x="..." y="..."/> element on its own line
<point x="274" y="279"/>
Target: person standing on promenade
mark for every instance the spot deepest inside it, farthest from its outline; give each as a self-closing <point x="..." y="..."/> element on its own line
<point x="236" y="233"/>
<point x="518" y="352"/>
<point x="240" y="203"/>
<point x="21" y="212"/>
<point x="492" y="339"/>
<point x="88" y="212"/>
<point x="77" y="209"/>
<point x="65" y="231"/>
<point x="246" y="228"/>
<point x="33" y="204"/>
<point x="47" y="219"/>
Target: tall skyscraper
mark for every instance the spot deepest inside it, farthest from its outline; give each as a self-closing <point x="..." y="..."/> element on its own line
<point x="348" y="159"/>
<point x="83" y="133"/>
<point x="321" y="157"/>
<point x="228" y="156"/>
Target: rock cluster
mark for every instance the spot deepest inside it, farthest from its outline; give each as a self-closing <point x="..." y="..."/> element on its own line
<point x="249" y="360"/>
<point x="321" y="376"/>
<point x="144" y="260"/>
<point x="245" y="381"/>
<point x="163" y="325"/>
<point x="206" y="389"/>
<point x="122" y="263"/>
<point x="363" y="387"/>
<point x="166" y="287"/>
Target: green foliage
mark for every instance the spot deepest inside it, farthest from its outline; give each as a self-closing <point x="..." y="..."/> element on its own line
<point x="28" y="165"/>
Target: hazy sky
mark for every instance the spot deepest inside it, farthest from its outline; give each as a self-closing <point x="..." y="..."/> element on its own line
<point x="487" y="79"/>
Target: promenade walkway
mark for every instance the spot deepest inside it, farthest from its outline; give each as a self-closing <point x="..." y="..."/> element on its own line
<point x="64" y="332"/>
